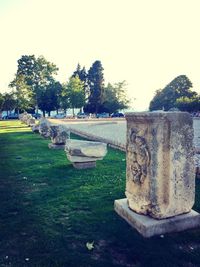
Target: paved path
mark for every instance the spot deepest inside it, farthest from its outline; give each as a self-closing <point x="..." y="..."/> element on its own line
<point x="113" y="132"/>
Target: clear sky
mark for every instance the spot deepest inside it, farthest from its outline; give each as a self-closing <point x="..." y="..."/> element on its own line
<point x="145" y="42"/>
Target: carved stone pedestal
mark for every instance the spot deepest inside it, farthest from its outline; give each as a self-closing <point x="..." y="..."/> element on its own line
<point x="160" y="176"/>
<point x="148" y="226"/>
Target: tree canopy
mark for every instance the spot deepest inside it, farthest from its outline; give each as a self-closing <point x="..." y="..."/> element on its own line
<point x="49" y="97"/>
<point x="8" y="102"/>
<point x="35" y="87"/>
<point x="166" y="98"/>
<point x="96" y="87"/>
<point x="1" y="102"/>
<point x="189" y="104"/>
<point x="32" y="77"/>
<point x="74" y="92"/>
<point x="114" y="97"/>
<point x="83" y="76"/>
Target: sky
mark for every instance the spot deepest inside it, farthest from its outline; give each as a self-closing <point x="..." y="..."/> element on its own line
<point x="145" y="42"/>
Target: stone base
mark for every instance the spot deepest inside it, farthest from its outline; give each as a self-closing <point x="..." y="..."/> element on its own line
<point x="148" y="227"/>
<point x="54" y="146"/>
<point x="84" y="165"/>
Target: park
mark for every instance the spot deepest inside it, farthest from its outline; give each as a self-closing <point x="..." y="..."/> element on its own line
<point x="99" y="133"/>
<point x="56" y="215"/>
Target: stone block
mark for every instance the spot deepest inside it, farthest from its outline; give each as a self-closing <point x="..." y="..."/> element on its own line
<point x="84" y="165"/>
<point x="84" y="154"/>
<point x="148" y="226"/>
<point x="44" y="128"/>
<point x="58" y="134"/>
<point x="160" y="173"/>
<point x="81" y="158"/>
<point x="86" y="148"/>
<point x="35" y="128"/>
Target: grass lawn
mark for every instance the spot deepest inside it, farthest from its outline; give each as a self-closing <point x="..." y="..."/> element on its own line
<point x="49" y="211"/>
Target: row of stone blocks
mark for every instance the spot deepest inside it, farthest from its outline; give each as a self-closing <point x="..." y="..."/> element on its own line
<point x="160" y="178"/>
<point x="82" y="154"/>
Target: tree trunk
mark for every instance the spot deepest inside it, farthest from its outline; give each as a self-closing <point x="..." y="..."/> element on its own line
<point x="43" y="113"/>
<point x="49" y="113"/>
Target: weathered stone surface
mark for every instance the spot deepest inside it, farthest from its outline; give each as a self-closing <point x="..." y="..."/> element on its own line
<point x="27" y="118"/>
<point x="84" y="165"/>
<point x="31" y="121"/>
<point x="44" y="127"/>
<point x="81" y="158"/>
<point x="160" y="167"/>
<point x="86" y="148"/>
<point x="148" y="226"/>
<point x="84" y="154"/>
<point x="35" y="128"/>
<point x="58" y="134"/>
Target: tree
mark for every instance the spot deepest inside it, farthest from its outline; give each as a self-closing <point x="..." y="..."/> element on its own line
<point x="188" y="104"/>
<point x="74" y="92"/>
<point x="114" y="98"/>
<point x="36" y="74"/>
<point x="58" y="91"/>
<point x="96" y="87"/>
<point x="64" y="99"/>
<point x="1" y="102"/>
<point x="83" y="76"/>
<point x="23" y="93"/>
<point x="9" y="102"/>
<point x="77" y="72"/>
<point x="166" y="98"/>
<point x="49" y="97"/>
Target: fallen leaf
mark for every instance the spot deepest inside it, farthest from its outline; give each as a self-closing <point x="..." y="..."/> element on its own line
<point x="89" y="245"/>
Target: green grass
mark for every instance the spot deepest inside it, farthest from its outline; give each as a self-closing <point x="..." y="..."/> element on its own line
<point x="49" y="211"/>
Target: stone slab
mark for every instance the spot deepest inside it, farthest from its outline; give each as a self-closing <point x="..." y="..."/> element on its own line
<point x="84" y="165"/>
<point x="81" y="159"/>
<point x="85" y="148"/>
<point x="148" y="227"/>
<point x="54" y="146"/>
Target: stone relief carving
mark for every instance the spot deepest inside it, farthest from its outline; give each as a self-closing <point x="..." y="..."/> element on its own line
<point x="140" y="157"/>
<point x="58" y="134"/>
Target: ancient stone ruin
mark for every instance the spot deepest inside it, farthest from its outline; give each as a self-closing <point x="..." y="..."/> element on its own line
<point x="44" y="128"/>
<point x="160" y="176"/>
<point x="84" y="154"/>
<point x="28" y="119"/>
<point x="35" y="128"/>
<point x="58" y="135"/>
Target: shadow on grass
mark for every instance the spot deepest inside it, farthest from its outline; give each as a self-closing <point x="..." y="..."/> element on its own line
<point x="49" y="211"/>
